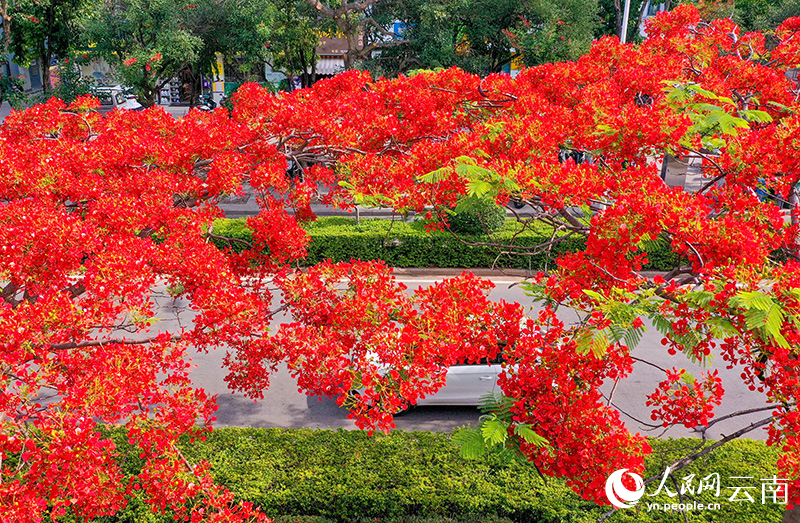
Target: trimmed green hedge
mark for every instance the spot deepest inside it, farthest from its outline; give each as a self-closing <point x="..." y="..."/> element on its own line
<point x="402" y="244"/>
<point x="323" y="476"/>
<point x="480" y="217"/>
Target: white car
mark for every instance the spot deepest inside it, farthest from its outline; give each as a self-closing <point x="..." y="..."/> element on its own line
<point x="465" y="384"/>
<point x="113" y="97"/>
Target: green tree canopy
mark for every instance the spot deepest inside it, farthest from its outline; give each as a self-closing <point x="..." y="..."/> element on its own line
<point x="146" y="41"/>
<point x="151" y="41"/>
<point x="44" y="29"/>
<point x="482" y="37"/>
<point x="555" y="30"/>
<point x="611" y="13"/>
<point x="239" y="30"/>
<point x="775" y="13"/>
<point x="294" y="38"/>
<point x="750" y="15"/>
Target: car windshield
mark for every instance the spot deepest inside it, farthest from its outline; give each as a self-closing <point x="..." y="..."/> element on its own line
<point x="105" y="97"/>
<point x="111" y="97"/>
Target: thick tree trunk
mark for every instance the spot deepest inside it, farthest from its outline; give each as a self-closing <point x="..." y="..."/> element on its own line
<point x="41" y="56"/>
<point x="190" y="84"/>
<point x="46" y="80"/>
<point x="352" y="51"/>
<point x="792" y="516"/>
<point x="47" y="57"/>
<point x="6" y="16"/>
<point x="640" y="18"/>
<point x="148" y="97"/>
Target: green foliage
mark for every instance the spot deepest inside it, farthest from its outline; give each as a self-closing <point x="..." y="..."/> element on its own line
<point x="477" y="216"/>
<point x="294" y="37"/>
<point x="146" y="41"/>
<point x="622" y="308"/>
<point x="770" y="14"/>
<point x="236" y="228"/>
<point x="407" y="519"/>
<point x="11" y="91"/>
<point x="70" y="85"/>
<point x="150" y="41"/>
<point x="610" y="13"/>
<point x="344" y="476"/>
<point x="660" y="256"/>
<point x="323" y="476"/>
<point x="44" y="29"/>
<point x="477" y="213"/>
<point x="762" y="15"/>
<point x="497" y="432"/>
<point x="762" y="314"/>
<point x="240" y="30"/>
<point x="712" y="116"/>
<point x="739" y="458"/>
<point x="556" y="31"/>
<point x="482" y="36"/>
<point x="402" y="244"/>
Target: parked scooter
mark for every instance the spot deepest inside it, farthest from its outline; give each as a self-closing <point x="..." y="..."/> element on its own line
<point x="207" y="103"/>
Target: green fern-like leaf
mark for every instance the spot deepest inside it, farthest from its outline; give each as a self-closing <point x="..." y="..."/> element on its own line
<point x="470" y="443"/>
<point x="436" y="176"/>
<point x="599" y="344"/>
<point x="530" y="436"/>
<point x="633" y="336"/>
<point x="721" y="328"/>
<point x="494" y="431"/>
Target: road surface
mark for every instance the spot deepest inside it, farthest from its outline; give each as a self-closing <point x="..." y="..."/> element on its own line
<point x="283" y="406"/>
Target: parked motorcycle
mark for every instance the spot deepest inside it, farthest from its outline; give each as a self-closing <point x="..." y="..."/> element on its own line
<point x="207" y="102"/>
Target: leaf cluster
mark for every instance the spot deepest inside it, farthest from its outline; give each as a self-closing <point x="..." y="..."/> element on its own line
<point x="483" y="37"/>
<point x="319" y="476"/>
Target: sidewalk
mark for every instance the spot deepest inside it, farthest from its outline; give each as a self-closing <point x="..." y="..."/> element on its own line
<point x="177" y="112"/>
<point x="5" y="110"/>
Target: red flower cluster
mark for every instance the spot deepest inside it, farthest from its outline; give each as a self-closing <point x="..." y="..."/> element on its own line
<point x="690" y="403"/>
<point x="100" y="214"/>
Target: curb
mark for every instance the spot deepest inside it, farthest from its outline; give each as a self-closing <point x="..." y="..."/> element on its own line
<point x="445" y="272"/>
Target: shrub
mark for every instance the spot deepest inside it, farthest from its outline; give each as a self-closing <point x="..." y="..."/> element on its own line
<point x="402" y="244"/>
<point x="481" y="217"/>
<point x="324" y="476"/>
<point x="70" y="85"/>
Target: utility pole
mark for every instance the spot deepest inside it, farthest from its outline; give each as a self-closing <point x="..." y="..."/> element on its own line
<point x="624" y="32"/>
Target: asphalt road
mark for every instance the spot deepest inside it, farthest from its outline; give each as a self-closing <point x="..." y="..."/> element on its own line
<point x="283" y="406"/>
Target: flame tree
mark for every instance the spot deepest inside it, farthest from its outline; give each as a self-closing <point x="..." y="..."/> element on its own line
<point x="98" y="214"/>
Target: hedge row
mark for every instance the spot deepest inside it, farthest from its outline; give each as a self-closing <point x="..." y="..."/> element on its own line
<point x="323" y="476"/>
<point x="402" y="244"/>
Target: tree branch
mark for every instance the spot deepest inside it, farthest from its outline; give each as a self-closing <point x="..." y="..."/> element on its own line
<point x="688" y="460"/>
<point x="100" y="343"/>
